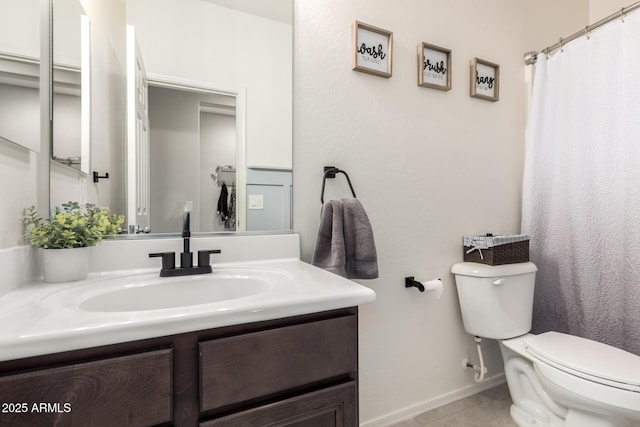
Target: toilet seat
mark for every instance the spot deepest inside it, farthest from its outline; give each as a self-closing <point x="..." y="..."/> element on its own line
<point x="591" y="360"/>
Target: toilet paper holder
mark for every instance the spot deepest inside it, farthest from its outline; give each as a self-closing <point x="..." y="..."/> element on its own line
<point x="410" y="282"/>
<point x="431" y="285"/>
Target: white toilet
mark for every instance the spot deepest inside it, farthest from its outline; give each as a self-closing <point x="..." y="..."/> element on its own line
<point x="554" y="379"/>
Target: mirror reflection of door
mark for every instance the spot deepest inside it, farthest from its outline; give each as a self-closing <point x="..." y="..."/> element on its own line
<point x="193" y="158"/>
<point x="138" y="179"/>
<point x="197" y="155"/>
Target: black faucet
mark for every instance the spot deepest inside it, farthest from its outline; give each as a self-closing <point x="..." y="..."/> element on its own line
<point x="186" y="256"/>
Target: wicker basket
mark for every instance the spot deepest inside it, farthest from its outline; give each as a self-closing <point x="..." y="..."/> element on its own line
<point x="507" y="253"/>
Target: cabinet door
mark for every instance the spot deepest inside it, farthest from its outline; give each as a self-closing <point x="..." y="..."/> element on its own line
<point x="330" y="407"/>
<point x="133" y="390"/>
<point x="250" y="366"/>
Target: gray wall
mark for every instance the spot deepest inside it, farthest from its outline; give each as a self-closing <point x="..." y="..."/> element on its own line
<point x="275" y="187"/>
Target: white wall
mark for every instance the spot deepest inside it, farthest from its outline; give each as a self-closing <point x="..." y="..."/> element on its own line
<point x="20" y="27"/>
<point x="545" y="21"/>
<point x="20" y="114"/>
<point x="66" y="31"/>
<point x="200" y="41"/>
<point x="18" y="175"/>
<point x="599" y="9"/>
<point x="429" y="167"/>
<point x="69" y="186"/>
<point x="66" y="129"/>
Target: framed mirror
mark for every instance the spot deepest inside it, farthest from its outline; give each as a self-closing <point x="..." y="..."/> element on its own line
<point x="71" y="131"/>
<point x="20" y="73"/>
<point x="228" y="64"/>
<point x="219" y="93"/>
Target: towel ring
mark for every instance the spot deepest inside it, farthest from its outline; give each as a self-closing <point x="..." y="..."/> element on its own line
<point x="330" y="172"/>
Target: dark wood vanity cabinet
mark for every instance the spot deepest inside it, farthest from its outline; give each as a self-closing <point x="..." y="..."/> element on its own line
<point x="328" y="407"/>
<point x="92" y="393"/>
<point x="294" y="372"/>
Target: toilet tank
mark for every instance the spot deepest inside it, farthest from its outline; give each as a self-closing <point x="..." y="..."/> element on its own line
<point x="496" y="301"/>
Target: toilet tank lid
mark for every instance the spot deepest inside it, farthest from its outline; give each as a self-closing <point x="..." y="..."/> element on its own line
<point x="590" y="359"/>
<point x="475" y="269"/>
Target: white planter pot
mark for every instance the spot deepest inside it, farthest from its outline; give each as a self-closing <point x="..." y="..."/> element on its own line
<point x="65" y="265"/>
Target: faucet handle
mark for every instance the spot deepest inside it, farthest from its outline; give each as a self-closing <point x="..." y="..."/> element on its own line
<point x="168" y="259"/>
<point x="203" y="256"/>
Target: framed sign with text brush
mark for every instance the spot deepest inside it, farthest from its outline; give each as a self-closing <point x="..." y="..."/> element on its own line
<point x="434" y="66"/>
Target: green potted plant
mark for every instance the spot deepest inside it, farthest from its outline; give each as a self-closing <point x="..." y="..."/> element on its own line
<point x="66" y="236"/>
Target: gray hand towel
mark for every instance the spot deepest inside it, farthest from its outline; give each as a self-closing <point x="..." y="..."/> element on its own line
<point x="345" y="243"/>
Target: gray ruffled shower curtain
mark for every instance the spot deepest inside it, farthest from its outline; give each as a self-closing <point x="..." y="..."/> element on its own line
<point x="581" y="189"/>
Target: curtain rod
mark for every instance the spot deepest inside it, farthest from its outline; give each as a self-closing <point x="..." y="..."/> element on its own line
<point x="531" y="57"/>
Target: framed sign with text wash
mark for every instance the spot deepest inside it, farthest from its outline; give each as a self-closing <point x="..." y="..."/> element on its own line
<point x="372" y="50"/>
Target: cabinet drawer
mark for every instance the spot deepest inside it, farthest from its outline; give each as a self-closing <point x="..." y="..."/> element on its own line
<point x="329" y="407"/>
<point x="248" y="366"/>
<point x="131" y="390"/>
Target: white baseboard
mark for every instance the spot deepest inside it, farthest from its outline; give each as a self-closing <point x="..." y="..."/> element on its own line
<point x="412" y="411"/>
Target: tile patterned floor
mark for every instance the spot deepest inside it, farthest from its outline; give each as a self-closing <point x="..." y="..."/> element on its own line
<point x="487" y="409"/>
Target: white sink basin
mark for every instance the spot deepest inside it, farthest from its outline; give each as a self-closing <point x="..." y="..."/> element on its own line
<point x="144" y="292"/>
<point x="158" y="294"/>
<point x="257" y="278"/>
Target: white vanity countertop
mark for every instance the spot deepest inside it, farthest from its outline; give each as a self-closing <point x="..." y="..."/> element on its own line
<point x="36" y="320"/>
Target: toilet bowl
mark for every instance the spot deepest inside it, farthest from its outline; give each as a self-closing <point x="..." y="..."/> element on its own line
<point x="554" y="379"/>
<point x="571" y="381"/>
